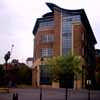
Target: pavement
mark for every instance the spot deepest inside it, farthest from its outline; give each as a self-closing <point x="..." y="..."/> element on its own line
<point x="50" y="94"/>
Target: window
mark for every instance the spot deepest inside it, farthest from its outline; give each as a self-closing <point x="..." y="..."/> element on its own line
<point x="76" y="18"/>
<point x="66" y="47"/>
<point x="66" y="42"/>
<point x="71" y="18"/>
<point x="65" y="50"/>
<point x="66" y="34"/>
<point x="47" y="38"/>
<point x="45" y="24"/>
<point x="67" y="21"/>
<point x="46" y="52"/>
<point x="45" y="75"/>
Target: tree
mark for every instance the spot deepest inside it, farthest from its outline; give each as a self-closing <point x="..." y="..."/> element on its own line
<point x="62" y="67"/>
<point x="2" y="75"/>
<point x="24" y="74"/>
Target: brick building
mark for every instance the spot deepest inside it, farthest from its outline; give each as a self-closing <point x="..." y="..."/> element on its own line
<point x="59" y="32"/>
<point x="30" y="61"/>
<point x="98" y="68"/>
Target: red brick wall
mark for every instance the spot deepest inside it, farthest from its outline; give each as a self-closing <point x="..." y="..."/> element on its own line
<point x="57" y="19"/>
<point x="39" y="44"/>
<point x="55" y="31"/>
<point x="78" y="42"/>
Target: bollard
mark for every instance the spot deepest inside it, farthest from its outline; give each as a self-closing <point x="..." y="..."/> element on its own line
<point x="15" y="96"/>
<point x="41" y="93"/>
<point x="66" y="93"/>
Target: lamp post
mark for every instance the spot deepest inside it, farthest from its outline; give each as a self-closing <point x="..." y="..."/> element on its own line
<point x="88" y="84"/>
<point x="40" y="78"/>
<point x="6" y="58"/>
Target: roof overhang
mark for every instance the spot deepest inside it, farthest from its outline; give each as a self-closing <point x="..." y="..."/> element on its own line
<point x="80" y="12"/>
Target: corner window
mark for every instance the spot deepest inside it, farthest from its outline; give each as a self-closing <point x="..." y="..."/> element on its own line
<point x="46" y="52"/>
<point x="45" y="24"/>
<point x="47" y="38"/>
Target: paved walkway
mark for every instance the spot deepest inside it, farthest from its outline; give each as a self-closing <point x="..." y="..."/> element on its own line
<point x="50" y="94"/>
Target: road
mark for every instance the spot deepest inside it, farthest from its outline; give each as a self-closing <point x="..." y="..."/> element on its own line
<point x="49" y="94"/>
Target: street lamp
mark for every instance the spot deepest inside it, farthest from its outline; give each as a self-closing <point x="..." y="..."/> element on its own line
<point x="6" y="58"/>
<point x="40" y="79"/>
<point x="88" y="84"/>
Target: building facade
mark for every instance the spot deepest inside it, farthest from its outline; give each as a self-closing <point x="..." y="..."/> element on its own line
<point x="98" y="68"/>
<point x="30" y="61"/>
<point x="59" y="32"/>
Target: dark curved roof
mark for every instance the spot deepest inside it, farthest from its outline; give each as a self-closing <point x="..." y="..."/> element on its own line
<point x="48" y="14"/>
<point x="53" y="6"/>
<point x="80" y="12"/>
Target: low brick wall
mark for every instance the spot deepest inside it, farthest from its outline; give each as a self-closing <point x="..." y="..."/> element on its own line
<point x="55" y="84"/>
<point x="4" y="90"/>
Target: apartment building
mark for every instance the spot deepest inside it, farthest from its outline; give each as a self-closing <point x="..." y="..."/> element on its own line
<point x="98" y="68"/>
<point x="59" y="32"/>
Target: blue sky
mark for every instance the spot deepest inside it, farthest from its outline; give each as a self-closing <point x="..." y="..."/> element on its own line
<point x="17" y="19"/>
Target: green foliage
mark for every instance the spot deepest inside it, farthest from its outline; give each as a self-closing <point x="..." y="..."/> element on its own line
<point x="2" y="75"/>
<point x="24" y="74"/>
<point x="64" y="65"/>
<point x="1" y="71"/>
<point x="18" y="74"/>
